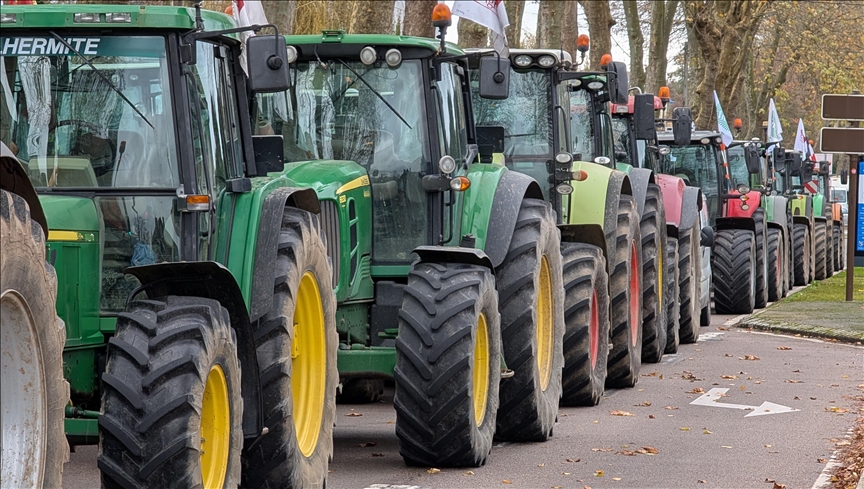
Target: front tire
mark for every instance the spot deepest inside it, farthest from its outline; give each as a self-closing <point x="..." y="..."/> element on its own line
<point x="171" y="406"/>
<point x="586" y="318"/>
<point x="820" y="265"/>
<point x="690" y="284"/>
<point x="801" y="254"/>
<point x="625" y="358"/>
<point x="296" y="344"/>
<point x="673" y="308"/>
<point x="34" y="392"/>
<point x="531" y="301"/>
<point x="775" y="265"/>
<point x="448" y="367"/>
<point x="734" y="271"/>
<point x="761" y="263"/>
<point x="652" y="227"/>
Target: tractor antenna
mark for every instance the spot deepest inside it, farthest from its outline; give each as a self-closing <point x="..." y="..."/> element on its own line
<point x="199" y="21"/>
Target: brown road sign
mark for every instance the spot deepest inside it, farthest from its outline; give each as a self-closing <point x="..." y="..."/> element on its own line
<point x="849" y="140"/>
<point x="843" y="107"/>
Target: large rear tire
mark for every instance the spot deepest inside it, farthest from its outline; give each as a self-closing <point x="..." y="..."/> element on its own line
<point x="448" y="366"/>
<point x="531" y="301"/>
<point x="775" y="265"/>
<point x="801" y="254"/>
<point x="296" y="347"/>
<point x="761" y="262"/>
<point x="673" y="308"/>
<point x="820" y="266"/>
<point x="831" y="250"/>
<point x="690" y="283"/>
<point x="625" y="358"/>
<point x="34" y="392"/>
<point x="171" y="406"/>
<point x="586" y="318"/>
<point x="652" y="227"/>
<point x="838" y="246"/>
<point x="734" y="271"/>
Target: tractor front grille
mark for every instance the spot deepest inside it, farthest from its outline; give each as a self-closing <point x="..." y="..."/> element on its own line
<point x="330" y="228"/>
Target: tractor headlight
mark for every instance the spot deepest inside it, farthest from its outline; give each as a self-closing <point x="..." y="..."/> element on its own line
<point x="446" y="164"/>
<point x="743" y="189"/>
<point x="564" y="189"/>
<point x="522" y="60"/>
<point x="601" y="160"/>
<point x="393" y="57"/>
<point x="595" y="85"/>
<point x="563" y="158"/>
<point x="546" y="61"/>
<point x="292" y="54"/>
<point x="368" y="55"/>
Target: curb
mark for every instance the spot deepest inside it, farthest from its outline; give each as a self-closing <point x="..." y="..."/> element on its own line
<point x="753" y="322"/>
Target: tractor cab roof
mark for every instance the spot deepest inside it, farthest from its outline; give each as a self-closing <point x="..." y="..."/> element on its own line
<point x="697" y="137"/>
<point x="104" y="16"/>
<point x="336" y="43"/>
<point x="628" y="109"/>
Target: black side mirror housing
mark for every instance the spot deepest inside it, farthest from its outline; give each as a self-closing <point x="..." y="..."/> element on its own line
<point x="707" y="236"/>
<point x="793" y="163"/>
<point x="267" y="64"/>
<point x="494" y="77"/>
<point x="824" y="168"/>
<point x="269" y="154"/>
<point x="643" y="116"/>
<point x="778" y="156"/>
<point x="806" y="172"/>
<point x="844" y="177"/>
<point x="752" y="158"/>
<point x="490" y="139"/>
<point x="682" y="126"/>
<point x="619" y="85"/>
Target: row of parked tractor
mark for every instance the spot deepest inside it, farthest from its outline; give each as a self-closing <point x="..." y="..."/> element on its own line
<point x="228" y="254"/>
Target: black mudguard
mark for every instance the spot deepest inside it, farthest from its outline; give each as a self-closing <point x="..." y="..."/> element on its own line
<point x="513" y="187"/>
<point x="639" y="180"/>
<point x="13" y="179"/>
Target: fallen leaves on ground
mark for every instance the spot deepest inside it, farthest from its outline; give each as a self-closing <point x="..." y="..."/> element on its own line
<point x="784" y="347"/>
<point x="626" y="452"/>
<point x="574" y="460"/>
<point x="703" y="481"/>
<point x="731" y="377"/>
<point x="598" y="473"/>
<point x="650" y="416"/>
<point x="541" y="465"/>
<point x="354" y="414"/>
<point x="697" y="390"/>
<point x="685" y="428"/>
<point x="433" y="470"/>
<point x="751" y="357"/>
<point x="620" y="413"/>
<point x="648" y="451"/>
<point x="671" y="408"/>
<point x="793" y="381"/>
<point x="616" y="478"/>
<point x="470" y="472"/>
<point x="821" y="460"/>
<point x="688" y="376"/>
<point x="506" y="481"/>
<point x="377" y="454"/>
<point x="601" y="449"/>
<point x="643" y="404"/>
<point x="368" y="444"/>
<point x="728" y="355"/>
<point x="835" y="409"/>
<point x="652" y="374"/>
<point x="779" y="486"/>
<point x="706" y="432"/>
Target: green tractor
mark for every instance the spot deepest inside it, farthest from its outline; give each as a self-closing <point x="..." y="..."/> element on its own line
<point x="447" y="267"/>
<point x="34" y="392"/>
<point x="598" y="215"/>
<point x="828" y="217"/>
<point x="182" y="249"/>
<point x="793" y="173"/>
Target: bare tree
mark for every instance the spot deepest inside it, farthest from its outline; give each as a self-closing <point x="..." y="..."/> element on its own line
<point x="662" y="17"/>
<point x="281" y="14"/>
<point x="472" y="34"/>
<point x="373" y="17"/>
<point x="418" y="18"/>
<point x="549" y="24"/>
<point x="570" y="28"/>
<point x="514" y="8"/>
<point x="600" y="22"/>
<point x="637" y="43"/>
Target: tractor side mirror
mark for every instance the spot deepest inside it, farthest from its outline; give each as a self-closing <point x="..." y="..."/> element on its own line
<point x="844" y="177"/>
<point x="778" y="155"/>
<point x="619" y="86"/>
<point x="752" y="159"/>
<point x="806" y="172"/>
<point x="490" y="139"/>
<point x="682" y="125"/>
<point x="267" y="60"/>
<point x="643" y="116"/>
<point x="494" y="77"/>
<point x="793" y="164"/>
<point x="707" y="236"/>
<point x="824" y="168"/>
<point x="269" y="153"/>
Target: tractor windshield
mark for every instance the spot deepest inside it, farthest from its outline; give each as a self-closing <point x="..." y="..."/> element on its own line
<point x="376" y="119"/>
<point x="696" y="164"/>
<point x="738" y="167"/>
<point x="74" y="125"/>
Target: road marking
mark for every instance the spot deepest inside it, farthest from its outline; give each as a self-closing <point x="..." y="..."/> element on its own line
<point x="388" y="486"/>
<point x="824" y="480"/>
<point x="712" y="397"/>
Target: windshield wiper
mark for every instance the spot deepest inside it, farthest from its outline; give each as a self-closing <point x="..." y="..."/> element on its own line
<point x="102" y="76"/>
<point x="376" y="93"/>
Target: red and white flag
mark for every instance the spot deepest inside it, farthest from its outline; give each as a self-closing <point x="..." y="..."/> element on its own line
<point x="246" y="13"/>
<point x="490" y="14"/>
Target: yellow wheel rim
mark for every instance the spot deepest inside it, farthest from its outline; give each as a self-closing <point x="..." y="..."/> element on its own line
<point x="544" y="324"/>
<point x="480" y="370"/>
<point x="215" y="429"/>
<point x="308" y="364"/>
<point x="660" y="277"/>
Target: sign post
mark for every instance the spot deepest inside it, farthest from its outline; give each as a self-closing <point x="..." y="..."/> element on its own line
<point x="850" y="141"/>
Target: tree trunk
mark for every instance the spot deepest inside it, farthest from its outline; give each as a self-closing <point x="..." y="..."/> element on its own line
<point x="724" y="32"/>
<point x="600" y="22"/>
<point x="418" y="18"/>
<point x="637" y="43"/>
<point x="311" y="16"/>
<point x="570" y="28"/>
<point x="514" y="8"/>
<point x="281" y="14"/>
<point x="662" y="17"/>
<point x="472" y="34"/>
<point x="373" y="17"/>
<point x="549" y="20"/>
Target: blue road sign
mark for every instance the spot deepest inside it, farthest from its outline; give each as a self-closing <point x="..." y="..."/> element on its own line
<point x="859" y="233"/>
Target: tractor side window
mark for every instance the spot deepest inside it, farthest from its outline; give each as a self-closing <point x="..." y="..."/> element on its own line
<point x="621" y="141"/>
<point x="697" y="166"/>
<point x="581" y="126"/>
<point x="607" y="149"/>
<point x="452" y="116"/>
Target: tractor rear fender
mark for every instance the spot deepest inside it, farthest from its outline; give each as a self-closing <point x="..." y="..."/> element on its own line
<point x="211" y="280"/>
<point x="801" y="206"/>
<point x="453" y="254"/>
<point x="801" y="220"/>
<point x="639" y="180"/>
<point x="776" y="206"/>
<point x="691" y="204"/>
<point x="818" y="204"/>
<point x="836" y="212"/>
<point x="735" y="223"/>
<point x="13" y="179"/>
<point x="491" y="207"/>
<point x="584" y="233"/>
<point x="672" y="188"/>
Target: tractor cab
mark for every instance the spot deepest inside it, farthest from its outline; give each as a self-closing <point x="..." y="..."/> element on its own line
<point x="700" y="164"/>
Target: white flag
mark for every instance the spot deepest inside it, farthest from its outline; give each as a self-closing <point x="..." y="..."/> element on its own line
<point x="490" y="14"/>
<point x="775" y="131"/>
<point x="801" y="143"/>
<point x="246" y="13"/>
<point x="722" y="124"/>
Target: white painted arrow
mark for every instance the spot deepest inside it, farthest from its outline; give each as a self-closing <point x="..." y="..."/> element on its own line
<point x="712" y="397"/>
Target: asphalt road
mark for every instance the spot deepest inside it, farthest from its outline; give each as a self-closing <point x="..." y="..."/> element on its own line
<point x="697" y="445"/>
